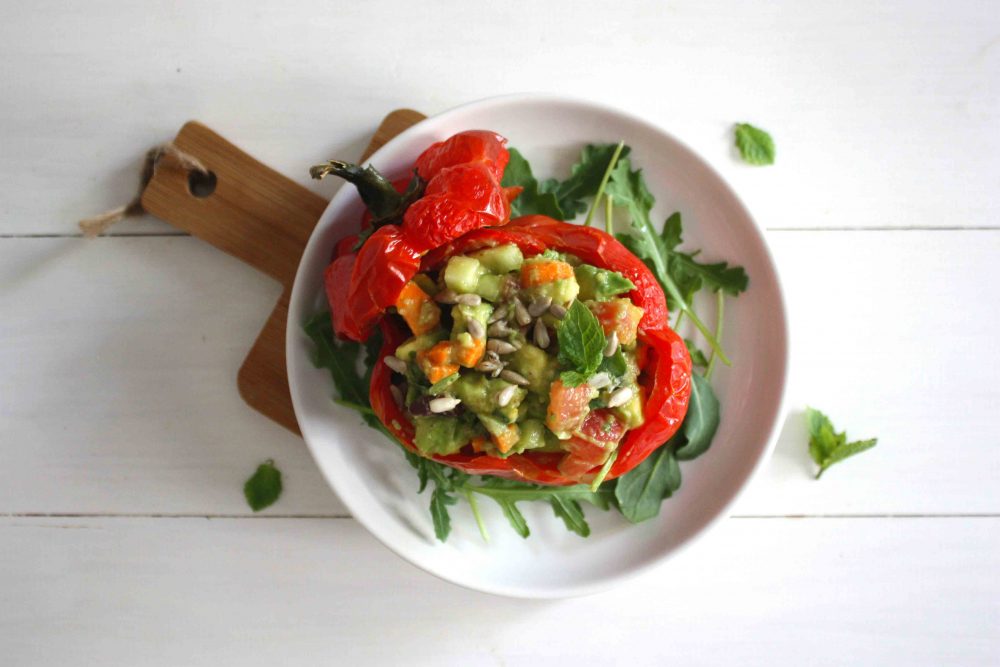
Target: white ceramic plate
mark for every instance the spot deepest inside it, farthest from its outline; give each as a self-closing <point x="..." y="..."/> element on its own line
<point x="370" y="474"/>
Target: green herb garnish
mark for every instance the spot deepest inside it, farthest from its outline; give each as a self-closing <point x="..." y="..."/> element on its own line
<point x="826" y="446"/>
<point x="532" y="200"/>
<point x="755" y="145"/>
<point x="581" y="344"/>
<point x="264" y="486"/>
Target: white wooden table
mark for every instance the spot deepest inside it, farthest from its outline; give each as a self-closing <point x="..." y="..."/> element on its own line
<point x="124" y="536"/>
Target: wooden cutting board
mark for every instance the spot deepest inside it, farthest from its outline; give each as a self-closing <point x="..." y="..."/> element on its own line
<point x="260" y="217"/>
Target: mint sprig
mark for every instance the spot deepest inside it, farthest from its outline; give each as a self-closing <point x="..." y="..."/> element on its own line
<point x="828" y="447"/>
<point x="754" y="144"/>
<point x="581" y="344"/>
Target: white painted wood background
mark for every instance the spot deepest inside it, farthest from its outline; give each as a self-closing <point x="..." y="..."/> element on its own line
<point x="124" y="537"/>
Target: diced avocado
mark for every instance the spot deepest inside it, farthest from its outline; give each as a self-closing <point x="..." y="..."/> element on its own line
<point x="425" y="283"/>
<point x="479" y="394"/>
<point x="418" y="343"/>
<point x="538" y="368"/>
<point x="599" y="284"/>
<point x="489" y="286"/>
<point x="441" y="435"/>
<point x="501" y="259"/>
<point x="631" y="413"/>
<point x="532" y="435"/>
<point x="462" y="274"/>
<point x="462" y="313"/>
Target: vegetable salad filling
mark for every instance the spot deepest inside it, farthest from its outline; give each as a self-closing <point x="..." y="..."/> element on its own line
<point x="511" y="354"/>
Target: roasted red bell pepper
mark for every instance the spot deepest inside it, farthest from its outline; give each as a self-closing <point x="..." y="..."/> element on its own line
<point x="456" y="190"/>
<point x="665" y="365"/>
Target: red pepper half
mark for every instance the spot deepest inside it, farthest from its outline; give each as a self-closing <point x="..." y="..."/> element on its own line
<point x="665" y="370"/>
<point x="462" y="194"/>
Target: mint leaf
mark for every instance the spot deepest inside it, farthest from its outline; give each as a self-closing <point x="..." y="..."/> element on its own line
<point x="264" y="486"/>
<point x="585" y="178"/>
<point x="615" y="365"/>
<point x="828" y="447"/>
<point x="642" y="490"/>
<point x="755" y="145"/>
<point x="581" y="344"/>
<point x="532" y="200"/>
<point x="701" y="421"/>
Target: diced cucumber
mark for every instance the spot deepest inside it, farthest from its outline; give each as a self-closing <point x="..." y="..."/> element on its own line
<point x="501" y="259"/>
<point x="462" y="274"/>
<point x="488" y="286"/>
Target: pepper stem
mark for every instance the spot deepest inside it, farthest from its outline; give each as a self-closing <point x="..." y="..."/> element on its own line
<point x="375" y="189"/>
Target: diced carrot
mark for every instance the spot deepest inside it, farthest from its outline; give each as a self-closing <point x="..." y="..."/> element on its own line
<point x="437" y="362"/>
<point x="470" y="355"/>
<point x="542" y="272"/>
<point x="478" y="443"/>
<point x="507" y="438"/>
<point x="618" y="315"/>
<point x="418" y="309"/>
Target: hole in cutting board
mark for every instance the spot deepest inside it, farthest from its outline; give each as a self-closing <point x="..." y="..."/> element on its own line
<point x="201" y="185"/>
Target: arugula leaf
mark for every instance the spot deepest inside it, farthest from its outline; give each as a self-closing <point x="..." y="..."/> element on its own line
<point x="264" y="486"/>
<point x="701" y="421"/>
<point x="341" y="359"/>
<point x="440" y="499"/>
<point x="572" y="515"/>
<point x="826" y="446"/>
<point x="584" y="179"/>
<point x="532" y="199"/>
<point x="641" y="491"/>
<point x="698" y="358"/>
<point x="581" y="344"/>
<point x="755" y="145"/>
<point x="690" y="274"/>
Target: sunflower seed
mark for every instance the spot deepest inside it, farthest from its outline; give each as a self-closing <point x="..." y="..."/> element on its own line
<point x="539" y="305"/>
<point x="600" y="380"/>
<point x="397" y="395"/>
<point x="620" y="397"/>
<point x="469" y="299"/>
<point x="498" y="371"/>
<point x="443" y="404"/>
<point x="500" y="346"/>
<point x="499" y="314"/>
<point x="396" y="364"/>
<point x="521" y="313"/>
<point x="487" y="366"/>
<point x="557" y="311"/>
<point x="612" y="345"/>
<point x="508" y="287"/>
<point x="499" y="329"/>
<point x="446" y="295"/>
<point x="514" y="378"/>
<point x="505" y="396"/>
<point x="541" y="334"/>
<point x="475" y="327"/>
<point x="493" y="356"/>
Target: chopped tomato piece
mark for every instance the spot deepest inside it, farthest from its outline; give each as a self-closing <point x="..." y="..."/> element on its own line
<point x="618" y="315"/>
<point x="568" y="407"/>
<point x="600" y="427"/>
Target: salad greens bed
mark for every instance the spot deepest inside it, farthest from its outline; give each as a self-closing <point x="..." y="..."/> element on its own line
<point x="603" y="175"/>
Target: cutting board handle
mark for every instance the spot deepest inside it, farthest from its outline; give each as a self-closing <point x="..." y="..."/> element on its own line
<point x="260" y="217"/>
